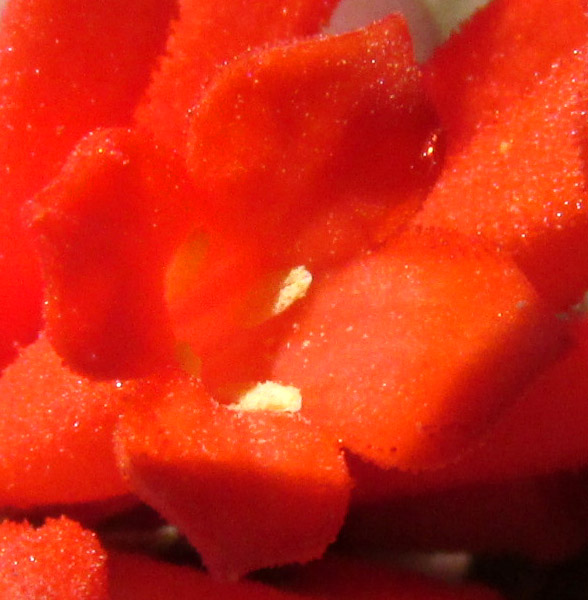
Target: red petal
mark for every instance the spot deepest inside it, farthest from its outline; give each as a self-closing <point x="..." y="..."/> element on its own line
<point x="249" y="490"/>
<point x="286" y="136"/>
<point x="521" y="183"/>
<point x="542" y="432"/>
<point x="107" y="228"/>
<point x="206" y="36"/>
<point x="497" y="57"/>
<point x="307" y="154"/>
<point x="59" y="560"/>
<point x="55" y="433"/>
<point x="65" y="68"/>
<point x="408" y="354"/>
<point x="331" y="579"/>
<point x="135" y="577"/>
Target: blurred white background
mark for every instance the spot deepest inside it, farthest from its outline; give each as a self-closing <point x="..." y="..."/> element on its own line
<point x="430" y="21"/>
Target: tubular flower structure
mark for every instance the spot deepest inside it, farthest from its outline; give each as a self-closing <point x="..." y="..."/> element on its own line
<point x="293" y="291"/>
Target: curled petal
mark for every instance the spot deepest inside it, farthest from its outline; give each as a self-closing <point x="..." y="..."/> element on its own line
<point x="206" y="36"/>
<point x="107" y="228"/>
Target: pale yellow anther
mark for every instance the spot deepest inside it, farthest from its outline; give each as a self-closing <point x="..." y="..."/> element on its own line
<point x="270" y="396"/>
<point x="294" y="287"/>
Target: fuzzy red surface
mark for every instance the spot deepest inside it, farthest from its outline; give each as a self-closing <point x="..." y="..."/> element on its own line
<point x="497" y="57"/>
<point x="107" y="227"/>
<point x="305" y="154"/>
<point x="521" y="183"/>
<point x="55" y="433"/>
<point x="408" y="354"/>
<point x="66" y="67"/>
<point x="541" y="433"/>
<point x="206" y="36"/>
<point x="58" y="561"/>
<point x="248" y="489"/>
<point x="301" y="129"/>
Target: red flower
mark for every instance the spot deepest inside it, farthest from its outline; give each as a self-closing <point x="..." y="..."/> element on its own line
<point x="288" y="277"/>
